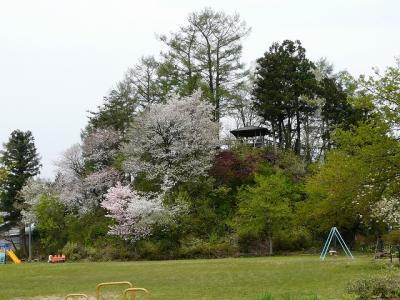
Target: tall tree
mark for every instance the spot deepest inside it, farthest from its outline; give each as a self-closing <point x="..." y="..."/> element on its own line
<point x="241" y="108"/>
<point x="117" y="111"/>
<point x="173" y="142"/>
<point x="333" y="110"/>
<point x="180" y="60"/>
<point x="358" y="176"/>
<point x="265" y="208"/>
<point x="284" y="81"/>
<point x="384" y="91"/>
<point x="209" y="48"/>
<point x="20" y="157"/>
<point x="145" y="81"/>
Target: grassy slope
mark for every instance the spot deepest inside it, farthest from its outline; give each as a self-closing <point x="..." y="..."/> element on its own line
<point x="241" y="278"/>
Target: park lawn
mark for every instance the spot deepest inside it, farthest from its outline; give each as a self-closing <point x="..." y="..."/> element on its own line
<point x="231" y="278"/>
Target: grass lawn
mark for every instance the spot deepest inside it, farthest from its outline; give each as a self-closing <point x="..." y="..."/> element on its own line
<point x="232" y="278"/>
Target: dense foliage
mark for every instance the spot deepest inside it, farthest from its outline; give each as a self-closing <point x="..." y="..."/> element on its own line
<point x="154" y="178"/>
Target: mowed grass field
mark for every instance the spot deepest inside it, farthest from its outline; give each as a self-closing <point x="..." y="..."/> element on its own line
<point x="231" y="278"/>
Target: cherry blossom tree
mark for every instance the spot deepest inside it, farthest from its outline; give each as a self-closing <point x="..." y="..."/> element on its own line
<point x="100" y="147"/>
<point x="31" y="193"/>
<point x="173" y="142"/>
<point x="78" y="190"/>
<point x="71" y="162"/>
<point x="134" y="213"/>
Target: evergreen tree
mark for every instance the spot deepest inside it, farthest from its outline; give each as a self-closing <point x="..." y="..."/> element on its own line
<point x="206" y="53"/>
<point x="284" y="82"/>
<point x="117" y="111"/>
<point x="20" y="157"/>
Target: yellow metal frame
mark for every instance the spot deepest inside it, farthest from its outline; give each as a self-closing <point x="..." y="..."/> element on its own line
<point x="134" y="290"/>
<point x="100" y="285"/>
<point x="76" y="295"/>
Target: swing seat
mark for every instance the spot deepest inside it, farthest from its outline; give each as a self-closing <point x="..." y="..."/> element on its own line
<point x="332" y="252"/>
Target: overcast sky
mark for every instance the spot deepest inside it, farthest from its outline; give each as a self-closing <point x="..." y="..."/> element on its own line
<point x="58" y="58"/>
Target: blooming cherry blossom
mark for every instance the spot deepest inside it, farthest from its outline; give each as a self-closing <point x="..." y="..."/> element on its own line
<point x="173" y="142"/>
<point x="134" y="213"/>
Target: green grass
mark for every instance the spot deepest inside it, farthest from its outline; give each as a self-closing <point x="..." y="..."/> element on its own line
<point x="292" y="277"/>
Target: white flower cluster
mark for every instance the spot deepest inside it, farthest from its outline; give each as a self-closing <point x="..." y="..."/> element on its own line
<point x="32" y="192"/>
<point x="79" y="191"/>
<point x="388" y="210"/>
<point x="100" y="147"/>
<point x="174" y="141"/>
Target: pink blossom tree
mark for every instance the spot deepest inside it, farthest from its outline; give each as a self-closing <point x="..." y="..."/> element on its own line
<point x="134" y="214"/>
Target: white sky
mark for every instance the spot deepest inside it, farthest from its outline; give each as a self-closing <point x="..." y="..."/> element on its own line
<point x="58" y="58"/>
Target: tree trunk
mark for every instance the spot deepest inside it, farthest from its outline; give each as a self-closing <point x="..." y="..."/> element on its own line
<point x="271" y="252"/>
<point x="217" y="86"/>
<point x="211" y="78"/>
<point x="273" y="136"/>
<point x="280" y="133"/>
<point x="298" y="133"/>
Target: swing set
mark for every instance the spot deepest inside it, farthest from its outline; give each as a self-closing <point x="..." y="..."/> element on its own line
<point x="334" y="234"/>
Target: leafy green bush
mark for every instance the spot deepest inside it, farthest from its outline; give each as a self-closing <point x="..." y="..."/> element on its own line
<point x="51" y="224"/>
<point x="384" y="286"/>
<point x="101" y="251"/>
<point x="150" y="249"/>
<point x="195" y="248"/>
<point x="293" y="239"/>
<point x="73" y="251"/>
<point x="392" y="237"/>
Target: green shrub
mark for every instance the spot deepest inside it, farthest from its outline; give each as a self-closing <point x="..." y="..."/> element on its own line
<point x="104" y="250"/>
<point x="293" y="239"/>
<point x="110" y="252"/>
<point x="150" y="249"/>
<point x="50" y="224"/>
<point x="73" y="251"/>
<point x="384" y="286"/>
<point x="198" y="248"/>
<point x="392" y="237"/>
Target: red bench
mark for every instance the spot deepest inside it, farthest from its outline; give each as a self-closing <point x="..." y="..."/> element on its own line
<point x="56" y="258"/>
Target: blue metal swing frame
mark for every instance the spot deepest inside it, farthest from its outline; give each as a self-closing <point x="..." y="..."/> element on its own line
<point x="335" y="232"/>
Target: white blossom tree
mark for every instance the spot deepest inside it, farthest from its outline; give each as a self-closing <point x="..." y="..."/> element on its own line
<point x="78" y="190"/>
<point x="388" y="210"/>
<point x="134" y="214"/>
<point x="100" y="147"/>
<point x="31" y="193"/>
<point x="173" y="142"/>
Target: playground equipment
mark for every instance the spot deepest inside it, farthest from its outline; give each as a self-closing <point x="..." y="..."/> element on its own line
<point x="5" y="250"/>
<point x="13" y="257"/>
<point x="104" y="284"/>
<point x="133" y="292"/>
<point x="128" y="293"/>
<point x="334" y="233"/>
<point x="2" y="257"/>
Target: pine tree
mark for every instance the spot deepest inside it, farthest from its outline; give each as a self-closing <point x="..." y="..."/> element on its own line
<point x="284" y="81"/>
<point x="20" y="157"/>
